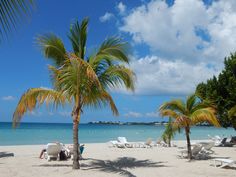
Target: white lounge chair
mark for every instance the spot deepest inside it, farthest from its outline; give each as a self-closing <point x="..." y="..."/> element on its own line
<point x="224" y="162"/>
<point x="206" y="146"/>
<point x="52" y="151"/>
<point x="123" y="140"/>
<point x="115" y="143"/>
<point x="196" y="149"/>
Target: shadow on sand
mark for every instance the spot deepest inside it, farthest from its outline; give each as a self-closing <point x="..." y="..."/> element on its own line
<point x="121" y="165"/>
<point x="6" y="154"/>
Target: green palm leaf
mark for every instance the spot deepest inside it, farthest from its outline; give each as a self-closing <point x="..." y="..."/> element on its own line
<point x="117" y="76"/>
<point x="78" y="37"/>
<point x="52" y="48"/>
<point x="35" y="97"/>
<point x="11" y="13"/>
<point x="232" y="111"/>
<point x="175" y="105"/>
<point x="111" y="50"/>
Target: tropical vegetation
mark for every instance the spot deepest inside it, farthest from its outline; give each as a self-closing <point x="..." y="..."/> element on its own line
<point x="189" y="113"/>
<point x="232" y="112"/>
<point x="169" y="132"/>
<point x="221" y="91"/>
<point x="11" y="13"/>
<point x="79" y="79"/>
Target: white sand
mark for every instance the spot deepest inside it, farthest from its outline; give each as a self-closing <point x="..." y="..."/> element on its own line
<point x="100" y="160"/>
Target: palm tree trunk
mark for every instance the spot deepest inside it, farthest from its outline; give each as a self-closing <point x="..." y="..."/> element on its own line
<point x="187" y="131"/>
<point x="76" y="164"/>
<point x="169" y="141"/>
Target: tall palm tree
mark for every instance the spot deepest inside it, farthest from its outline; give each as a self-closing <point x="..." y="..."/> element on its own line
<point x="11" y="13"/>
<point x="189" y="113"/>
<point x="79" y="79"/>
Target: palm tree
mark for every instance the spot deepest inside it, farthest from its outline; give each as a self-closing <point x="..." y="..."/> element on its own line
<point x="79" y="79"/>
<point x="169" y="132"/>
<point x="11" y="12"/>
<point x="187" y="114"/>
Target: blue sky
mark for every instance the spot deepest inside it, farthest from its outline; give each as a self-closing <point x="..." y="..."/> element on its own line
<point x="173" y="42"/>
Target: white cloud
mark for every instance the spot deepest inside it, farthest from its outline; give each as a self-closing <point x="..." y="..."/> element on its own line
<point x="188" y="42"/>
<point x="8" y="98"/>
<point x="121" y="7"/>
<point x="158" y="76"/>
<point x="133" y="114"/>
<point x="152" y="114"/>
<point x="106" y="17"/>
<point x="176" y="32"/>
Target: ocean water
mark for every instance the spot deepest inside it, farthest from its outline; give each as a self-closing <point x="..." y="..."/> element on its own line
<point x="42" y="133"/>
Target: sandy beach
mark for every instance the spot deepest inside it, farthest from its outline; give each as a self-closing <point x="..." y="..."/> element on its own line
<point x="101" y="160"/>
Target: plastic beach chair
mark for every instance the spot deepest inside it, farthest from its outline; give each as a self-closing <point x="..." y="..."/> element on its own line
<point x="224" y="162"/>
<point x="53" y="150"/>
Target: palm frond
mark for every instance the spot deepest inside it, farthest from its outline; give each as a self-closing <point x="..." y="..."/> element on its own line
<point x="78" y="37"/>
<point x="111" y="50"/>
<point x="191" y="100"/>
<point x="169" y="112"/>
<point x="203" y="104"/>
<point x="36" y="97"/>
<point x="52" y="48"/>
<point x="175" y="105"/>
<point x="204" y="115"/>
<point x="11" y="13"/>
<point x="117" y="76"/>
<point x="182" y="121"/>
<point x="232" y="112"/>
<point x="101" y="100"/>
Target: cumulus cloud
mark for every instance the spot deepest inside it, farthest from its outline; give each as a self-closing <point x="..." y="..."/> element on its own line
<point x="187" y="40"/>
<point x="106" y="17"/>
<point x="8" y="98"/>
<point x="188" y="29"/>
<point x="157" y="76"/>
<point x="121" y="8"/>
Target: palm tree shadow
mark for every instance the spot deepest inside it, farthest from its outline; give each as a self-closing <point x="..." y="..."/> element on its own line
<point x="121" y="165"/>
<point x="6" y="154"/>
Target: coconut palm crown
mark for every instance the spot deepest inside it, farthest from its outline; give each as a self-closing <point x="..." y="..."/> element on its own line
<point x="79" y="79"/>
<point x="189" y="113"/>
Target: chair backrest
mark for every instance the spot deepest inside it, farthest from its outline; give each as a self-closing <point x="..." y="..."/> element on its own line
<point x="208" y="146"/>
<point x="53" y="149"/>
<point x="196" y="149"/>
<point x="122" y="140"/>
<point x="223" y="141"/>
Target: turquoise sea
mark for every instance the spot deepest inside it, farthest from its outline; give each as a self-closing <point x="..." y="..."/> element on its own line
<point x="42" y="133"/>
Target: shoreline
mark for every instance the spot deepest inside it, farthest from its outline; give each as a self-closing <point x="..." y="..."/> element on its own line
<point x="174" y="141"/>
<point x="102" y="160"/>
